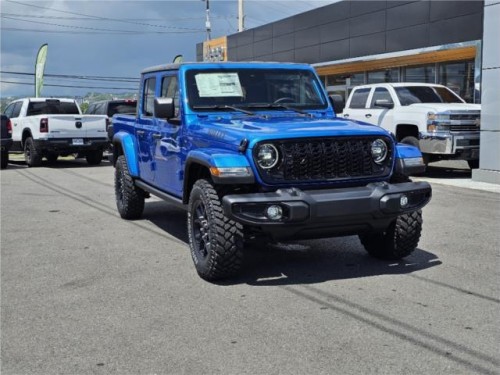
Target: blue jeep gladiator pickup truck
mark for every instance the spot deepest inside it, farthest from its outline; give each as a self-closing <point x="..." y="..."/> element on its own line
<point x="254" y="151"/>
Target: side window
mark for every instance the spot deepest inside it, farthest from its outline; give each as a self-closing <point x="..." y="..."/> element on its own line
<point x="359" y="98"/>
<point x="9" y="109"/>
<point x="170" y="89"/>
<point x="17" y="109"/>
<point x="381" y="94"/>
<point x="91" y="109"/>
<point x="148" y="99"/>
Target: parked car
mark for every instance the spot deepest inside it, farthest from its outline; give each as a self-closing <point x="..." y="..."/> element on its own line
<point x="49" y="127"/>
<point x="110" y="108"/>
<point x="6" y="140"/>
<point x="255" y="151"/>
<point x="431" y="117"/>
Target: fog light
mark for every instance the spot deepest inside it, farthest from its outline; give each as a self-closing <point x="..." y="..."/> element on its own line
<point x="403" y="201"/>
<point x="274" y="212"/>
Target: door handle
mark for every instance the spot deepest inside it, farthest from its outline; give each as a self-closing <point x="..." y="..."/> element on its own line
<point x="368" y="115"/>
<point x="156" y="135"/>
<point x="139" y="132"/>
<point x="346" y="115"/>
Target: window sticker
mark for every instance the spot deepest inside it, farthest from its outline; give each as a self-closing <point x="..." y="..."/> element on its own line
<point x="218" y="85"/>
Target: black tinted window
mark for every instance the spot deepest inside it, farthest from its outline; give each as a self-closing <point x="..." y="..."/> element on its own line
<point x="359" y="98"/>
<point x="9" y="109"/>
<point x="52" y="107"/>
<point x="424" y="94"/>
<point x="124" y="107"/>
<point x="381" y="94"/>
<point x="17" y="109"/>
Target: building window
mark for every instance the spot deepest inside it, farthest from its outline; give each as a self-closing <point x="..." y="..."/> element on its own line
<point x="381" y="76"/>
<point x="458" y="77"/>
<point x="357" y="79"/>
<point x="423" y="74"/>
<point x="336" y="80"/>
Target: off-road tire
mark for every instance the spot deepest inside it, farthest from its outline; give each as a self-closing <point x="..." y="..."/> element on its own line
<point x="129" y="198"/>
<point x="94" y="157"/>
<point x="5" y="159"/>
<point x="413" y="141"/>
<point x="52" y="157"/>
<point x="215" y="241"/>
<point x="398" y="241"/>
<point x="31" y="154"/>
<point x="473" y="164"/>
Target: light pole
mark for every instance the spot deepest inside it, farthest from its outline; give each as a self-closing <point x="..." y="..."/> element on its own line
<point x="207" y="22"/>
<point x="241" y="17"/>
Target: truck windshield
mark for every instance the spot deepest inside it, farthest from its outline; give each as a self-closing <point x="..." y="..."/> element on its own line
<point x="52" y="107"/>
<point x="426" y="94"/>
<point x="270" y="89"/>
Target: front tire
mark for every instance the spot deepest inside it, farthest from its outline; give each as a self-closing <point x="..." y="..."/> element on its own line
<point x="413" y="141"/>
<point x="31" y="154"/>
<point x="215" y="241"/>
<point x="398" y="241"/>
<point x="129" y="198"/>
<point x="473" y="164"/>
<point x="94" y="157"/>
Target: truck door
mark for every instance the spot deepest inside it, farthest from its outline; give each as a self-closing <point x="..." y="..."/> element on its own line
<point x="381" y="115"/>
<point x="144" y="129"/>
<point x="356" y="108"/>
<point x="168" y="154"/>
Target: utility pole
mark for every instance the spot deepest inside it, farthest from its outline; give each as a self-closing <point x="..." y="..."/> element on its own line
<point x="241" y="17"/>
<point x="207" y="22"/>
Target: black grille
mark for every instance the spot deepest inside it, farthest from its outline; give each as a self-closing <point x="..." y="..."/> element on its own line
<point x="465" y="116"/>
<point x="464" y="128"/>
<point x="326" y="159"/>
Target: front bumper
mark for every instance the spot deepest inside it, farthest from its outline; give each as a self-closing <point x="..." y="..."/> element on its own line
<point x="327" y="213"/>
<point x="66" y="145"/>
<point x="460" y="144"/>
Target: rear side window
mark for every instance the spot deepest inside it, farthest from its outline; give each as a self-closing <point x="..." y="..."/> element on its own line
<point x="10" y="108"/>
<point x="121" y="107"/>
<point x="359" y="98"/>
<point x="148" y="100"/>
<point x="52" y="107"/>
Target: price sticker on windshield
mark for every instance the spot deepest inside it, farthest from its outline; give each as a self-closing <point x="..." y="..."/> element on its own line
<point x="218" y="85"/>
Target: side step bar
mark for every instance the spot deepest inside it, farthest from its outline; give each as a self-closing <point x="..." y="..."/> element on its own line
<point x="160" y="194"/>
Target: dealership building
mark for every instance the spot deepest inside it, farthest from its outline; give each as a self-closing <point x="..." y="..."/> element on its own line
<point x="350" y="43"/>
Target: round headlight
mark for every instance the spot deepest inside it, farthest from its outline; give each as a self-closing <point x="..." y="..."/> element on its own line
<point x="267" y="156"/>
<point x="379" y="150"/>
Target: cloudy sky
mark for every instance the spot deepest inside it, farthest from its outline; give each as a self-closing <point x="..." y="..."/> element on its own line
<point x="114" y="39"/>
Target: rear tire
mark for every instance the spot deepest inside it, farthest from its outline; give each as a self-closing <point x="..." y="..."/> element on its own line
<point x="398" y="241"/>
<point x="215" y="241"/>
<point x="5" y="159"/>
<point x="129" y="198"/>
<point x="94" y="157"/>
<point x="413" y="141"/>
<point x="31" y="155"/>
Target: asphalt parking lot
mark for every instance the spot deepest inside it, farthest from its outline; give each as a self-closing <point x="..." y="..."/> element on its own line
<point x="85" y="292"/>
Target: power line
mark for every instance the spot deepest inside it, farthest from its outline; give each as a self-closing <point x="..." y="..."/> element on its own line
<point x="75" y="87"/>
<point x="72" y="76"/>
<point x="107" y="30"/>
<point x="117" y="19"/>
<point x="99" y="17"/>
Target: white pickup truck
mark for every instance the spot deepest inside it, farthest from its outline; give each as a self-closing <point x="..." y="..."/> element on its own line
<point x="431" y="117"/>
<point x="44" y="127"/>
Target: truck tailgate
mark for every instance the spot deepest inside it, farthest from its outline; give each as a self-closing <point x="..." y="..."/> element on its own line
<point x="76" y="126"/>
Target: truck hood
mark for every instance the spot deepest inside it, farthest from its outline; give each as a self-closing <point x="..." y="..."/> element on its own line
<point x="446" y="107"/>
<point x="256" y="129"/>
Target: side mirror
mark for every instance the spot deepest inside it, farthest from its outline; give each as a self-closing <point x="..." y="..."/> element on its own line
<point x="337" y="102"/>
<point x="384" y="103"/>
<point x="164" y="108"/>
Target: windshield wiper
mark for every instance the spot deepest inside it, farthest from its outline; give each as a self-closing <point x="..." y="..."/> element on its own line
<point x="278" y="106"/>
<point x="215" y="106"/>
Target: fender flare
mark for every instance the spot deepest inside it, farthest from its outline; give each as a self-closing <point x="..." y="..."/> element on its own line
<point x="128" y="148"/>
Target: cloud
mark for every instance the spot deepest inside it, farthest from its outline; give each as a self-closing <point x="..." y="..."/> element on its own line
<point x="116" y="38"/>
